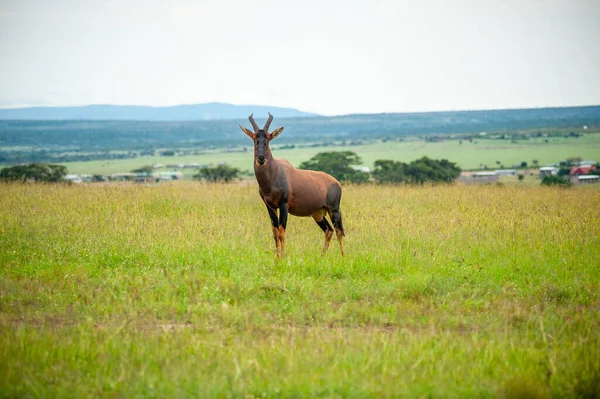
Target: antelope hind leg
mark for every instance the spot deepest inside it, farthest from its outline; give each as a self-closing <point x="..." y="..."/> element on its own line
<point x="277" y="241"/>
<point x="326" y="227"/>
<point x="340" y="234"/>
<point x="336" y="218"/>
<point x="282" y="240"/>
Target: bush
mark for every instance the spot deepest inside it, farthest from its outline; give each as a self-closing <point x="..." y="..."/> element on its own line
<point x="555" y="180"/>
<point x="424" y="170"/>
<point x="338" y="164"/>
<point x="220" y="173"/>
<point x="144" y="169"/>
<point x="38" y="172"/>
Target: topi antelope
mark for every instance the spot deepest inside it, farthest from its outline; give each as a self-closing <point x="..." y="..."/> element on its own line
<point x="291" y="190"/>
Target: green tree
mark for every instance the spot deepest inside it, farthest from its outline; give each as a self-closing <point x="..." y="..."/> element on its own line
<point x="424" y="170"/>
<point x="564" y="171"/>
<point x="220" y="173"/>
<point x="144" y="169"/>
<point x="535" y="162"/>
<point x="338" y="164"/>
<point x="554" y="180"/>
<point x="523" y="164"/>
<point x="38" y="172"/>
<point x="521" y="177"/>
<point x="387" y="171"/>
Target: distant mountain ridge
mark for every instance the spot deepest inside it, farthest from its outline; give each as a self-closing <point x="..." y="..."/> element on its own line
<point x="95" y="135"/>
<point x="191" y="112"/>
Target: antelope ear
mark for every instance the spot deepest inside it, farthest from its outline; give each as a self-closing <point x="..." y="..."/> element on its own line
<point x="276" y="133"/>
<point x="247" y="132"/>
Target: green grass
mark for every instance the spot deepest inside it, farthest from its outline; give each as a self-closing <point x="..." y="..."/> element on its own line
<point x="174" y="291"/>
<point x="467" y="156"/>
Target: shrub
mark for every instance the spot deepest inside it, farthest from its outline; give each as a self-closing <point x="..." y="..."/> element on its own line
<point x="144" y="169"/>
<point x="38" y="172"/>
<point x="338" y="164"/>
<point x="555" y="180"/>
<point x="420" y="171"/>
<point x="220" y="173"/>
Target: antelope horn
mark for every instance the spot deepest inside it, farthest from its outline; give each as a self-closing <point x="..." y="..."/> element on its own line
<point x="254" y="125"/>
<point x="266" y="128"/>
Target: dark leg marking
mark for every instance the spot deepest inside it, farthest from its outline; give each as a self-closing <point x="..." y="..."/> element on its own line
<point x="273" y="216"/>
<point x="275" y="224"/>
<point x="283" y="215"/>
<point x="324" y="225"/>
<point x="334" y="196"/>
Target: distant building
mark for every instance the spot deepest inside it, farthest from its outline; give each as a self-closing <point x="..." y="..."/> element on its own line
<point x="145" y="177"/>
<point x="121" y="177"/>
<point x="72" y="178"/>
<point x="478" y="178"/>
<point x="581" y="170"/>
<point x="588" y="179"/>
<point x="87" y="178"/>
<point x="485" y="177"/>
<point x="175" y="166"/>
<point x="548" y="171"/>
<point x="170" y="176"/>
<point x="506" y="172"/>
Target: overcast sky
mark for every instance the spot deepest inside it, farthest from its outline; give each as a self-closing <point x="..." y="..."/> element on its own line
<point x="329" y="57"/>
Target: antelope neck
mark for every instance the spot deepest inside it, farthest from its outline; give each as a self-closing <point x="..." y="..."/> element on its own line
<point x="266" y="174"/>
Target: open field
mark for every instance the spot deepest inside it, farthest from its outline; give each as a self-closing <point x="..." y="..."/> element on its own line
<point x="173" y="291"/>
<point x="467" y="156"/>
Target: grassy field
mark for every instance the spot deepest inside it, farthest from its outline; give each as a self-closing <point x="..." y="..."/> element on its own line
<point x="467" y="156"/>
<point x="174" y="291"/>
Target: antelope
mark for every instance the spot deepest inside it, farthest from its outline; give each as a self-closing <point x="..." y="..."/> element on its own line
<point x="298" y="192"/>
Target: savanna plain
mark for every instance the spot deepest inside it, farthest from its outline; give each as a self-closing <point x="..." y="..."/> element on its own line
<point x="174" y="291"/>
<point x="467" y="155"/>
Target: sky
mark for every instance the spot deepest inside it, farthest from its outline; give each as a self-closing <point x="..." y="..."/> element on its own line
<point x="331" y="57"/>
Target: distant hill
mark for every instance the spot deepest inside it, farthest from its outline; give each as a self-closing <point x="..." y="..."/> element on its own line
<point x="192" y="112"/>
<point x="68" y="140"/>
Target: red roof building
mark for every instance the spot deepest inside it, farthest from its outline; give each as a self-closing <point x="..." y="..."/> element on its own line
<point x="582" y="170"/>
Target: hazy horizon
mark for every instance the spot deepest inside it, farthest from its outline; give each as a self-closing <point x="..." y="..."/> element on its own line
<point x="301" y="110"/>
<point x="362" y="57"/>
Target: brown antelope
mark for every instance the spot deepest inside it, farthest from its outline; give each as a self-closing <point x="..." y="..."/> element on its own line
<point x="291" y="190"/>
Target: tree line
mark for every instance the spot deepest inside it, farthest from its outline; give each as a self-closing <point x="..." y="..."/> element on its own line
<point x="340" y="164"/>
<point x="343" y="166"/>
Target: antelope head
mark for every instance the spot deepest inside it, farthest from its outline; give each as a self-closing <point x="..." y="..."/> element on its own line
<point x="261" y="138"/>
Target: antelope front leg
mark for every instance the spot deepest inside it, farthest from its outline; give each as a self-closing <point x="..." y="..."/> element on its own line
<point x="276" y="230"/>
<point x="283" y="215"/>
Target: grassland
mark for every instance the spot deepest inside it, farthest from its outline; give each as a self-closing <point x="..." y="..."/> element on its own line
<point x="174" y="291"/>
<point x="467" y="155"/>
